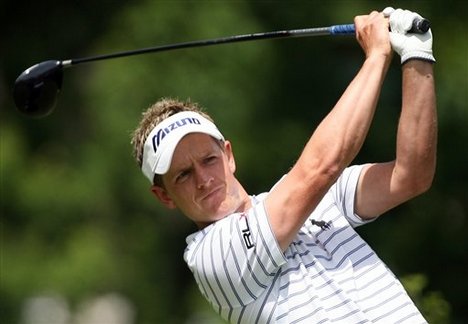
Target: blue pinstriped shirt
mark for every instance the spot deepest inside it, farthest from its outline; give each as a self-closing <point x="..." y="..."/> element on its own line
<point x="327" y="274"/>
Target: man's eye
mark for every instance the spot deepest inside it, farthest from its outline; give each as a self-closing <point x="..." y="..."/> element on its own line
<point x="211" y="159"/>
<point x="182" y="176"/>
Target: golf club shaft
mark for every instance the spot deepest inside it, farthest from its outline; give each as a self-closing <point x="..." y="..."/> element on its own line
<point x="347" y="29"/>
<point x="419" y="26"/>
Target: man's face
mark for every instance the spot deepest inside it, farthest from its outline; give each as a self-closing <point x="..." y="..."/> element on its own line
<point x="200" y="181"/>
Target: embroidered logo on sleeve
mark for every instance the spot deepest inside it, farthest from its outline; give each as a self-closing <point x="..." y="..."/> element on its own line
<point x="323" y="225"/>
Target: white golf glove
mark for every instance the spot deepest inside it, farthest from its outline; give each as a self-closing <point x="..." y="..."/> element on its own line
<point x="408" y="45"/>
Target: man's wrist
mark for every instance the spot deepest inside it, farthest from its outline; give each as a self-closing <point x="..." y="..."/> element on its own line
<point x="380" y="58"/>
<point x="419" y="67"/>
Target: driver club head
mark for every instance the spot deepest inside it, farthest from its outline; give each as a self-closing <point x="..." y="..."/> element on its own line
<point x="36" y="89"/>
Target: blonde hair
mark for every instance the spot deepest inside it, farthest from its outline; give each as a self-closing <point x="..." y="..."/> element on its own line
<point x="154" y="115"/>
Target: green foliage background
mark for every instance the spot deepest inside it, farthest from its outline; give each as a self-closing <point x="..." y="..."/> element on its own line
<point x="77" y="216"/>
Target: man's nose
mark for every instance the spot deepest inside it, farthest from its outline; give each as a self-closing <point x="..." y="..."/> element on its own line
<point x="203" y="178"/>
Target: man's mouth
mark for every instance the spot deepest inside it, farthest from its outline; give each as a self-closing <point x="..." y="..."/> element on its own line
<point x="212" y="193"/>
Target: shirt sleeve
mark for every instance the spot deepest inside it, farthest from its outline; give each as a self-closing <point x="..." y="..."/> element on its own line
<point x="235" y="259"/>
<point x="344" y="192"/>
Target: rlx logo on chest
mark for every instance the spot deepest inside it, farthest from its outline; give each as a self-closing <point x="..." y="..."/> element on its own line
<point x="246" y="233"/>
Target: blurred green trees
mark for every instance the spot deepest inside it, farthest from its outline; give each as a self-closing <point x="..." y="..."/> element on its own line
<point x="78" y="219"/>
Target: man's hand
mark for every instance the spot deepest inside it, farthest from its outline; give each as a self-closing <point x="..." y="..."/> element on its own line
<point x="372" y="34"/>
<point x="408" y="45"/>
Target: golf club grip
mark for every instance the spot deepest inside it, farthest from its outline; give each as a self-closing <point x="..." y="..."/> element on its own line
<point x="420" y="26"/>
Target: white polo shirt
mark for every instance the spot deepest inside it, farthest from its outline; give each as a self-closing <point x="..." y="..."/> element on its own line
<point x="325" y="275"/>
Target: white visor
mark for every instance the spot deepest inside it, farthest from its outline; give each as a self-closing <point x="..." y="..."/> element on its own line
<point x="163" y="139"/>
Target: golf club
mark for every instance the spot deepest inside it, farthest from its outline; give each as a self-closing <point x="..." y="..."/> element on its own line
<point x="36" y="89"/>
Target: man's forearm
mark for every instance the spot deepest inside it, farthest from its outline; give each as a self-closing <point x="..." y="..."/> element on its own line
<point x="344" y="130"/>
<point x="417" y="130"/>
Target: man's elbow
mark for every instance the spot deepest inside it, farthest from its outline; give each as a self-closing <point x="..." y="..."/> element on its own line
<point x="421" y="182"/>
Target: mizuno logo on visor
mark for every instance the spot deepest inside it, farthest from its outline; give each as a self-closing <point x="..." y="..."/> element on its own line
<point x="159" y="136"/>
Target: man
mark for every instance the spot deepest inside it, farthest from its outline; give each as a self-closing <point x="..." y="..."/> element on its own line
<point x="292" y="255"/>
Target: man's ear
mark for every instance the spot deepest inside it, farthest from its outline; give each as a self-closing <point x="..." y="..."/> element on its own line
<point x="230" y="156"/>
<point x="162" y="195"/>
